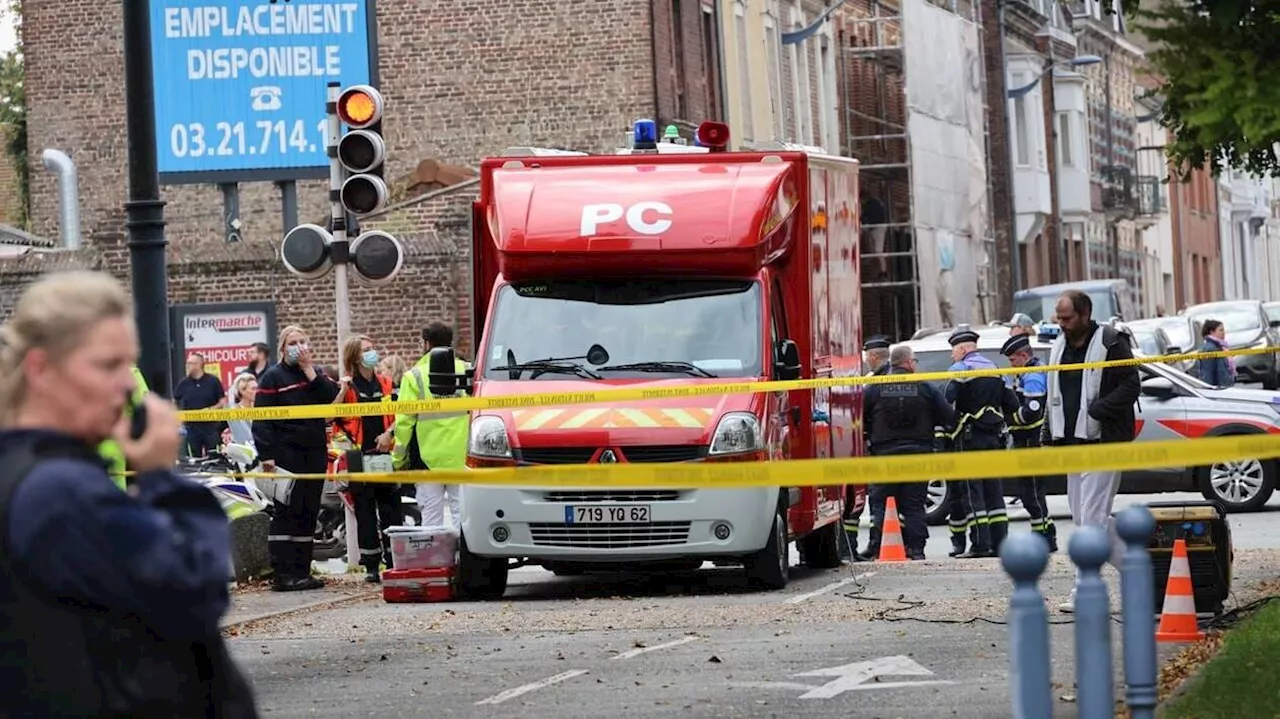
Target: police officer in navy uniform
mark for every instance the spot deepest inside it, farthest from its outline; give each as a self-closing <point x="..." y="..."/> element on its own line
<point x="981" y="406"/>
<point x="876" y="349"/>
<point x="900" y="419"/>
<point x="1026" y="428"/>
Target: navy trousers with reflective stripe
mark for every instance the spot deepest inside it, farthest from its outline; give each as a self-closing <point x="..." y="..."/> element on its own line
<point x="293" y="526"/>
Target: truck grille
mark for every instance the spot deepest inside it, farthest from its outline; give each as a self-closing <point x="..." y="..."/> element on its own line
<point x="640" y="453"/>
<point x="609" y="536"/>
<point x="614" y="495"/>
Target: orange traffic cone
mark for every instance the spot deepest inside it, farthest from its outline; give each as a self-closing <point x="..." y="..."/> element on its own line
<point x="1178" y="618"/>
<point x="891" y="547"/>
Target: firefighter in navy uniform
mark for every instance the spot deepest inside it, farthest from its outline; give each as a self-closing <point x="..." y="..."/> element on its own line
<point x="876" y="349"/>
<point x="1026" y="427"/>
<point x="981" y="406"/>
<point x="900" y="419"/>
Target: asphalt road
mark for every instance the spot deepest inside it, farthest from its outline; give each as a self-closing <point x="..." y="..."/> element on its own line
<point x="921" y="639"/>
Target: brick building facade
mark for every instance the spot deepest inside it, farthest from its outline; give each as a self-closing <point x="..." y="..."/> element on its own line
<point x="1197" y="267"/>
<point x="461" y="80"/>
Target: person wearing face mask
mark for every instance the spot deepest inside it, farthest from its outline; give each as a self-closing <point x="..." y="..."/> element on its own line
<point x="110" y="601"/>
<point x="296" y="445"/>
<point x="377" y="504"/>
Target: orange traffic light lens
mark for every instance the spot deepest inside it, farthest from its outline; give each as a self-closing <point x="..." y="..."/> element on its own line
<point x="357" y="108"/>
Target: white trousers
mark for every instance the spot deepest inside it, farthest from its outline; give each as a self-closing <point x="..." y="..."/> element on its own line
<point x="431" y="500"/>
<point x="1091" y="496"/>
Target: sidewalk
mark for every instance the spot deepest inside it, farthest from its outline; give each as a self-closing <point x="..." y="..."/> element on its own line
<point x="253" y="602"/>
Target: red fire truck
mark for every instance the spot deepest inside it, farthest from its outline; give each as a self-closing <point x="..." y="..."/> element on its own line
<point x="663" y="266"/>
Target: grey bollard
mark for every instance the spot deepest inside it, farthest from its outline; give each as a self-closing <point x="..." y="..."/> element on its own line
<point x="1137" y="599"/>
<point x="1090" y="547"/>
<point x="1024" y="556"/>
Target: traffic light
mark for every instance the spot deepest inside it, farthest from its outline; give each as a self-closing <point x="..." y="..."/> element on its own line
<point x="362" y="151"/>
<point x="305" y="251"/>
<point x="377" y="256"/>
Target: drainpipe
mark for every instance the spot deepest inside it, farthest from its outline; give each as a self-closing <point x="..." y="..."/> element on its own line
<point x="58" y="162"/>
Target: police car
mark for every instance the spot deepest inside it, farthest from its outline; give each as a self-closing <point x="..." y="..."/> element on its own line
<point x="1172" y="405"/>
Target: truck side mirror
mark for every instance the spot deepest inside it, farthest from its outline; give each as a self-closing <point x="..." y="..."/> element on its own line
<point x="442" y="377"/>
<point x="787" y="364"/>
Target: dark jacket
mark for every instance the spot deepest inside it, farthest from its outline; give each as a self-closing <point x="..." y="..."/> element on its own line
<point x="109" y="604"/>
<point x="901" y="417"/>
<point x="1117" y="391"/>
<point x="1215" y="370"/>
<point x="284" y="385"/>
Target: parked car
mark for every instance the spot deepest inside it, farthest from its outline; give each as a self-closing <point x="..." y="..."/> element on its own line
<point x="1273" y="311"/>
<point x="1173" y="405"/>
<point x="1168" y="336"/>
<point x="1247" y="325"/>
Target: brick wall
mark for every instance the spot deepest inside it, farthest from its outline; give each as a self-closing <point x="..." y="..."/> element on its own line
<point x="998" y="169"/>
<point x="461" y="80"/>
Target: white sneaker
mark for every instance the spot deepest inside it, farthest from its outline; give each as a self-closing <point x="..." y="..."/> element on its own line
<point x="1069" y="606"/>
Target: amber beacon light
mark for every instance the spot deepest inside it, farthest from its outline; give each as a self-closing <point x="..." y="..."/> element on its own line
<point x="362" y="150"/>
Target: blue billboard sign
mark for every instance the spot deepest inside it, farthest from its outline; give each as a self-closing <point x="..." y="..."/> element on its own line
<point x="241" y="85"/>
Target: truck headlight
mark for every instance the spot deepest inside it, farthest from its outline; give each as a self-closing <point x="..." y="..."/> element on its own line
<point x="488" y="437"/>
<point x="736" y="433"/>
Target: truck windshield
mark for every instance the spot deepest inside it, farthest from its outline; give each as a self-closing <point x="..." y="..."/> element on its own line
<point x="1040" y="307"/>
<point x="650" y="328"/>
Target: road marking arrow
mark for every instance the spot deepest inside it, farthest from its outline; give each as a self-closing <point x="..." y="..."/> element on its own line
<point x="852" y="677"/>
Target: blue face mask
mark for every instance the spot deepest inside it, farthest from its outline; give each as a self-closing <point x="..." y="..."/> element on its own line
<point x="293" y="352"/>
<point x="369" y="359"/>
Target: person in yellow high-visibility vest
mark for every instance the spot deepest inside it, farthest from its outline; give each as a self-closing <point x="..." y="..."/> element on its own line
<point x="110" y="449"/>
<point x="439" y="438"/>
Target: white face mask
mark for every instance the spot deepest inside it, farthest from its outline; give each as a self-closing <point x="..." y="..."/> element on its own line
<point x="293" y="352"/>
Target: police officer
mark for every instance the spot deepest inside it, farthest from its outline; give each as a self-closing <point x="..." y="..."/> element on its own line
<point x="876" y="350"/>
<point x="981" y="405"/>
<point x="900" y="418"/>
<point x="1021" y="324"/>
<point x="1026" y="427"/>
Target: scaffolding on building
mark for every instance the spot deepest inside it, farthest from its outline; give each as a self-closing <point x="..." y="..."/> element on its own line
<point x="873" y="78"/>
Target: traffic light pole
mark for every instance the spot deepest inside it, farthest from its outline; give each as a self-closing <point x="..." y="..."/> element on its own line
<point x="145" y="210"/>
<point x="340" y="255"/>
<point x="340" y="247"/>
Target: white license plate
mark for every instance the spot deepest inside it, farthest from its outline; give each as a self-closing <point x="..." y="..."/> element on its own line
<point x="607" y="514"/>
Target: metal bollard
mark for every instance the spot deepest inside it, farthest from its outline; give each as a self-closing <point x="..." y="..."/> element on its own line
<point x="1137" y="600"/>
<point x="1090" y="547"/>
<point x="1024" y="556"/>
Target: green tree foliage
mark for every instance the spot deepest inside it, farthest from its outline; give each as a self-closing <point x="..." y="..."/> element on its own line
<point x="1219" y="62"/>
<point x="13" y="113"/>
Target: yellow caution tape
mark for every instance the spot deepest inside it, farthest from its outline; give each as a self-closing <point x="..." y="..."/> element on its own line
<point x="891" y="469"/>
<point x="557" y="399"/>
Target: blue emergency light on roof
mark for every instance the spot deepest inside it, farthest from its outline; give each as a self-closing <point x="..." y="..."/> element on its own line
<point x="645" y="135"/>
<point x="1048" y="330"/>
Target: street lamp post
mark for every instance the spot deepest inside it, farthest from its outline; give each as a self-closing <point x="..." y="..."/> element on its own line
<point x="145" y="209"/>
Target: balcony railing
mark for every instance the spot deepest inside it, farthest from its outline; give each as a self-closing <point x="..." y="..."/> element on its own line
<point x="1150" y="191"/>
<point x="1119" y="192"/>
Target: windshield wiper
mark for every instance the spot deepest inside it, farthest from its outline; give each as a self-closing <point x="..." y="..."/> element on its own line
<point x="538" y="367"/>
<point x="672" y="366"/>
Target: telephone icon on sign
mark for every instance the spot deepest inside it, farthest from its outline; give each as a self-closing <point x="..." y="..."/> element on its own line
<point x="266" y="98"/>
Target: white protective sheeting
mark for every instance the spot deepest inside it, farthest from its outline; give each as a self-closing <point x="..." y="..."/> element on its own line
<point x="946" y="126"/>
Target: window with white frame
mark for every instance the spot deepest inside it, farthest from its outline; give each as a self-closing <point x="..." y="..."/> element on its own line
<point x="744" y="70"/>
<point x="830" y="97"/>
<point x="793" y="53"/>
<point x="1021" y="125"/>
<point x="1066" y="141"/>
<point x="804" y="107"/>
<point x="772" y="46"/>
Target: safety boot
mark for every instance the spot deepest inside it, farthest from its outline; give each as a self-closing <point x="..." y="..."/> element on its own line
<point x="849" y="547"/>
<point x="979" y="544"/>
<point x="372" y="575"/>
<point x="957" y="544"/>
<point x="999" y="530"/>
<point x="1051" y="534"/>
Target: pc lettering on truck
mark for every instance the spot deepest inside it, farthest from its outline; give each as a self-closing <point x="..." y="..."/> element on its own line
<point x="660" y="267"/>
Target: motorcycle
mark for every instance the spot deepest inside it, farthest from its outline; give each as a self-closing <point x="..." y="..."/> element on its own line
<point x="219" y="470"/>
<point x="331" y="520"/>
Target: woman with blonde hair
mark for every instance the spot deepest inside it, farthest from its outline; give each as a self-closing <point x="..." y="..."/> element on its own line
<point x="296" y="445"/>
<point x="394" y="367"/>
<point x="244" y="389"/>
<point x="87" y="571"/>
<point x="377" y="504"/>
